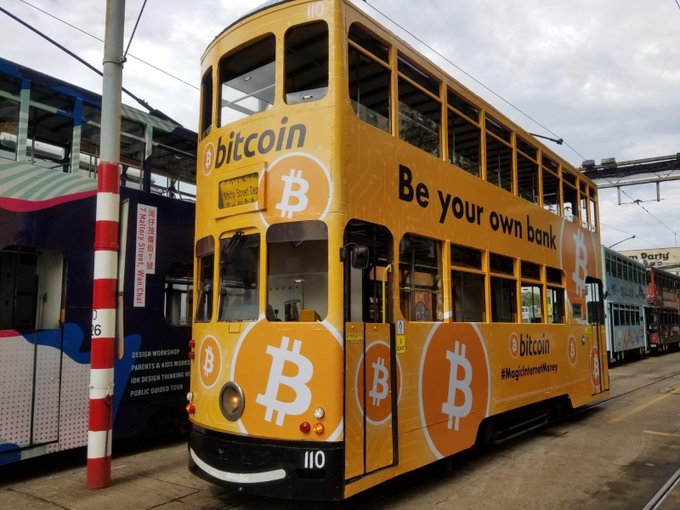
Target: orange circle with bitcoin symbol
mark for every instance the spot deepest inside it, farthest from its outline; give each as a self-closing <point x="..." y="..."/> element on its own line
<point x="579" y="259"/>
<point x="208" y="160"/>
<point x="298" y="188"/>
<point x="453" y="387"/>
<point x="571" y="350"/>
<point x="286" y="370"/>
<point x="209" y="361"/>
<point x="377" y="362"/>
<point x="514" y="346"/>
<point x="595" y="368"/>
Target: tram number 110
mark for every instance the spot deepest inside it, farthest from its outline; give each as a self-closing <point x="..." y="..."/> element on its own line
<point x="315" y="460"/>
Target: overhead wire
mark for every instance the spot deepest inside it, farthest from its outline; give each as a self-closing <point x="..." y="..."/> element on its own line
<point x="639" y="203"/>
<point x="175" y="77"/>
<point x="141" y="101"/>
<point x="132" y="35"/>
<point x="446" y="59"/>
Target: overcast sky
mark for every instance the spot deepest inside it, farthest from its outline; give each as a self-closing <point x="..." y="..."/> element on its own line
<point x="603" y="75"/>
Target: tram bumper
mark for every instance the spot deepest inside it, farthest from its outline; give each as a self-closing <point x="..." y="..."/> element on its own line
<point x="266" y="467"/>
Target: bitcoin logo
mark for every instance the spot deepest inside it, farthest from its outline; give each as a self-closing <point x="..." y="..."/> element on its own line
<point x="294" y="198"/>
<point x="580" y="263"/>
<point x="298" y="188"/>
<point x="457" y="359"/>
<point x="572" y="350"/>
<point x="595" y="368"/>
<point x="208" y="158"/>
<point x="453" y="387"/>
<point x="379" y="380"/>
<point x="514" y="345"/>
<point x="297" y="383"/>
<point x="378" y="406"/>
<point x="285" y="369"/>
<point x="209" y="361"/>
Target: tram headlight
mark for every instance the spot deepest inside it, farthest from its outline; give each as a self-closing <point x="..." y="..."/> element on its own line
<point x="232" y="401"/>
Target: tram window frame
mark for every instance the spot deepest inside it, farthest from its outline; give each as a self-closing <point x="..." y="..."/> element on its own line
<point x="503" y="287"/>
<point x="9" y="120"/>
<point x="464" y="134"/>
<point x="205" y="275"/>
<point x="306" y="62"/>
<point x="569" y="198"/>
<point x="178" y="294"/>
<point x="420" y="279"/>
<point x="593" y="208"/>
<point x="551" y="186"/>
<point x="297" y="271"/>
<point x="468" y="284"/>
<point x="239" y="277"/>
<point x="206" y="102"/>
<point x="498" y="141"/>
<point x="254" y="72"/>
<point x="420" y="117"/>
<point x="364" y="49"/>
<point x="531" y="290"/>
<point x="527" y="171"/>
<point x="555" y="299"/>
<point x="583" y="204"/>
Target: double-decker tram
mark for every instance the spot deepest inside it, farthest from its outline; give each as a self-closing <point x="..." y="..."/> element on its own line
<point x="387" y="268"/>
<point x="49" y="142"/>
<point x="663" y="312"/>
<point x="625" y="299"/>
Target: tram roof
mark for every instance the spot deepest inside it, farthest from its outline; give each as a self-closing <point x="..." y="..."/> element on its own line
<point x="169" y="138"/>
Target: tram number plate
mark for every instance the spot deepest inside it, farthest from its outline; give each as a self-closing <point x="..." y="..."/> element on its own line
<point x="315" y="459"/>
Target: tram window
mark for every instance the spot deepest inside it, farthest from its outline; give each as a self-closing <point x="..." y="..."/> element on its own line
<point x="553" y="275"/>
<point x="31" y="289"/>
<point x="369" y="89"/>
<point x="420" y="278"/>
<point x="501" y="264"/>
<point x="498" y="155"/>
<point x="551" y="192"/>
<point x="239" y="277"/>
<point x="178" y="289"/>
<point x="594" y="304"/>
<point x="297" y="271"/>
<point x="205" y="252"/>
<point x="555" y="305"/>
<point x="593" y="211"/>
<point x="419" y="111"/>
<point x="531" y="271"/>
<point x="370" y="43"/>
<point x="468" y="296"/>
<point x="9" y="127"/>
<point x="247" y="80"/>
<point x="583" y="204"/>
<point x="464" y="142"/>
<point x="306" y="64"/>
<point x="532" y="302"/>
<point x="206" y="102"/>
<point x="466" y="257"/>
<point x="503" y="299"/>
<point x="527" y="172"/>
<point x="570" y="199"/>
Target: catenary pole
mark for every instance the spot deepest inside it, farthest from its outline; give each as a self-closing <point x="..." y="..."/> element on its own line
<point x="106" y="256"/>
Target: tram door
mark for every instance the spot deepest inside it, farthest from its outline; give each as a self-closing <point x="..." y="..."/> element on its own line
<point x="599" y="372"/>
<point x="30" y="345"/>
<point x="370" y="357"/>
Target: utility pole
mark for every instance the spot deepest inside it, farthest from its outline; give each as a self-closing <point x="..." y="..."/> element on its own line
<point x="105" y="281"/>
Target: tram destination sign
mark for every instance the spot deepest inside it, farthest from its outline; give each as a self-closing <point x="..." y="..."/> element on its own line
<point x="238" y="191"/>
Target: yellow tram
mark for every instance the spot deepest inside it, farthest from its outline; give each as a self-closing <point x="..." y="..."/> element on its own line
<point x="387" y="268"/>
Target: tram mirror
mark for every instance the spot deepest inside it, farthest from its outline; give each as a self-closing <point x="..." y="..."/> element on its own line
<point x="359" y="257"/>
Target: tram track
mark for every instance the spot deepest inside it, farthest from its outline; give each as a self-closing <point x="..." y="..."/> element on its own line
<point x="629" y="392"/>
<point x="658" y="499"/>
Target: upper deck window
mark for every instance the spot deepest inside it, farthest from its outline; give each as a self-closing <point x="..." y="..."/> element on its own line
<point x="419" y="108"/>
<point x="306" y="64"/>
<point x="498" y="155"/>
<point x="369" y="78"/>
<point x="206" y="102"/>
<point x="463" y="133"/>
<point x="527" y="171"/>
<point x="247" y="80"/>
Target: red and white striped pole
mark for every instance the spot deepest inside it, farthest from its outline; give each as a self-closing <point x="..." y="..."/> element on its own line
<point x="106" y="256"/>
